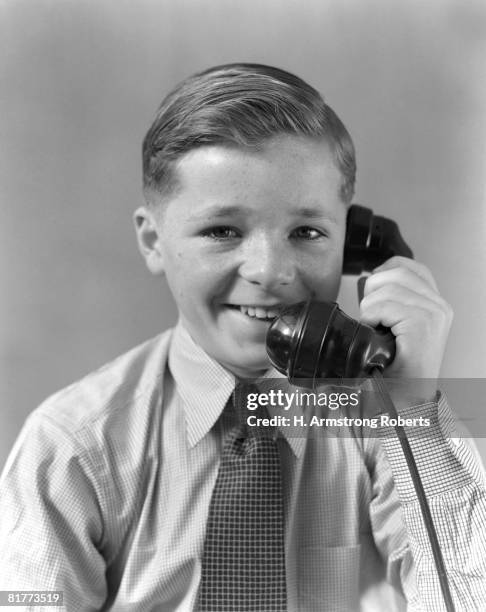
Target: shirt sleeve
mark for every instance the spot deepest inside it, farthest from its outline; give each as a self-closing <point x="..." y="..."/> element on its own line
<point x="454" y="483"/>
<point x="51" y="523"/>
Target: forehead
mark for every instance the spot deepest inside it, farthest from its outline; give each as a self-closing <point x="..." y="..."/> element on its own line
<point x="290" y="154"/>
<point x="284" y="171"/>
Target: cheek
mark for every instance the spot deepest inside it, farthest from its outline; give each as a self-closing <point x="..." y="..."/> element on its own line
<point x="194" y="283"/>
<point x="326" y="289"/>
<point x="323" y="278"/>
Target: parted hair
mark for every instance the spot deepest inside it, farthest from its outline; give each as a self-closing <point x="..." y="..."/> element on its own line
<point x="239" y="105"/>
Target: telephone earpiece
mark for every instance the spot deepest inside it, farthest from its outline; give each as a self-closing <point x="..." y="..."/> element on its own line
<point x="370" y="240"/>
<point x="313" y="340"/>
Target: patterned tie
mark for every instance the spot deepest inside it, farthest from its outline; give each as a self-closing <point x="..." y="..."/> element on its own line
<point x="243" y="564"/>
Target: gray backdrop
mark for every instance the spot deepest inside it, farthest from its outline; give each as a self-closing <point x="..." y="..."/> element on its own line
<point x="79" y="83"/>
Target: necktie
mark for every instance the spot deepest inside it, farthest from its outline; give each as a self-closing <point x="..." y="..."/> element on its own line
<point x="243" y="564"/>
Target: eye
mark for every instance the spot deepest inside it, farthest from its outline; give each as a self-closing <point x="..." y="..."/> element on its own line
<point x="221" y="232"/>
<point x="307" y="233"/>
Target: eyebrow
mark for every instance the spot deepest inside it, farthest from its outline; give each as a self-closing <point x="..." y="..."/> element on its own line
<point x="217" y="212"/>
<point x="314" y="213"/>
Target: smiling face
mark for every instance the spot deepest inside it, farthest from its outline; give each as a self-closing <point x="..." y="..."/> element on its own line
<point x="246" y="233"/>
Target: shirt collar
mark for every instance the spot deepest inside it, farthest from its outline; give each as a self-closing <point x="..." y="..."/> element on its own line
<point x="205" y="387"/>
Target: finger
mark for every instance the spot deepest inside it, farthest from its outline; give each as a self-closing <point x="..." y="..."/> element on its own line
<point x="398" y="279"/>
<point x="421" y="317"/>
<point x="402" y="295"/>
<point x="397" y="316"/>
<point x="416" y="267"/>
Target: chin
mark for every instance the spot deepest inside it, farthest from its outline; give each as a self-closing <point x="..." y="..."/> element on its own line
<point x="251" y="368"/>
<point x="243" y="359"/>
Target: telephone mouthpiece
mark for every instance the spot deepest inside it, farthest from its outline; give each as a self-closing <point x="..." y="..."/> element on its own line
<point x="317" y="340"/>
<point x="283" y="336"/>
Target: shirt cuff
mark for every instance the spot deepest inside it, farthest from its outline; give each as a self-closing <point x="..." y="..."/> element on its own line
<point x="439" y="454"/>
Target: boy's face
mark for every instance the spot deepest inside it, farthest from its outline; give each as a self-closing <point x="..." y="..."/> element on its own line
<point x="247" y="233"/>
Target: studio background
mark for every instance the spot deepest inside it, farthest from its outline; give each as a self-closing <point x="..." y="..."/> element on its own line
<point x="79" y="84"/>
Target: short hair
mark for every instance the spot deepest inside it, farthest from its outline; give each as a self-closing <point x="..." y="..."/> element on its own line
<point x="240" y="105"/>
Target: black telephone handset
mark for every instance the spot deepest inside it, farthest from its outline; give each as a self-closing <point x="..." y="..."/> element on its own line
<point x="314" y="340"/>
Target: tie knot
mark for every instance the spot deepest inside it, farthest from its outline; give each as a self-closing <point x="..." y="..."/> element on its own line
<point x="245" y="396"/>
<point x="246" y="404"/>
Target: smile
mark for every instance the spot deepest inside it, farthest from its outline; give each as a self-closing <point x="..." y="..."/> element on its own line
<point x="258" y="312"/>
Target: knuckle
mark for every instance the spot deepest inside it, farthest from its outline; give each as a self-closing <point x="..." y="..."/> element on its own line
<point x="395" y="260"/>
<point x="449" y="312"/>
<point x="446" y="308"/>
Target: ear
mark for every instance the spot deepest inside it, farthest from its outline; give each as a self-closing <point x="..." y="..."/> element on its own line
<point x="147" y="228"/>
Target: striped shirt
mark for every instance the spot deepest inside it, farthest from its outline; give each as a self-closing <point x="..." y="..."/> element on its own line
<point x="105" y="497"/>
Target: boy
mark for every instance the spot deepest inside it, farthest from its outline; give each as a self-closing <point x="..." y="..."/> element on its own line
<point x="109" y="490"/>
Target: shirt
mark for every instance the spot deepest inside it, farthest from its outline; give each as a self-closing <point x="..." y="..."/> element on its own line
<point x="105" y="497"/>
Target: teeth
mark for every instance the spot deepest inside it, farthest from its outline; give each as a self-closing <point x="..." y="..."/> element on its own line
<point x="257" y="312"/>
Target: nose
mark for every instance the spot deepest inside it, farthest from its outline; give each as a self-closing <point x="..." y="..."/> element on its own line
<point x="267" y="263"/>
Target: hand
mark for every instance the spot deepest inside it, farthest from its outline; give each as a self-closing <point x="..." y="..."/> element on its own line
<point x="401" y="294"/>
